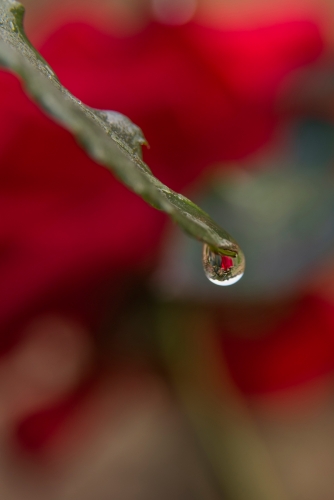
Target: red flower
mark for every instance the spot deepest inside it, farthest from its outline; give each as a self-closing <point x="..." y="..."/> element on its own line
<point x="201" y="95"/>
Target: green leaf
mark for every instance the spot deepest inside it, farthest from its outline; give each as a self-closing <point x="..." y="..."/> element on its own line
<point x="110" y="138"/>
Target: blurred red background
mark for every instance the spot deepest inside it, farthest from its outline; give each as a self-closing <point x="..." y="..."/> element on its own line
<point x="217" y="90"/>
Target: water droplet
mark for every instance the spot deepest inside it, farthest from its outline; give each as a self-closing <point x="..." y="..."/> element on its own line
<point x="50" y="72"/>
<point x="221" y="269"/>
<point x="13" y="27"/>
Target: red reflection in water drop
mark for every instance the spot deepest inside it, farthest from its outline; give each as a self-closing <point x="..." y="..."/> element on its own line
<point x="227" y="263"/>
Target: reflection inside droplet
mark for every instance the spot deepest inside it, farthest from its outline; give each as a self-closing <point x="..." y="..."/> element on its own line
<point x="222" y="269"/>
